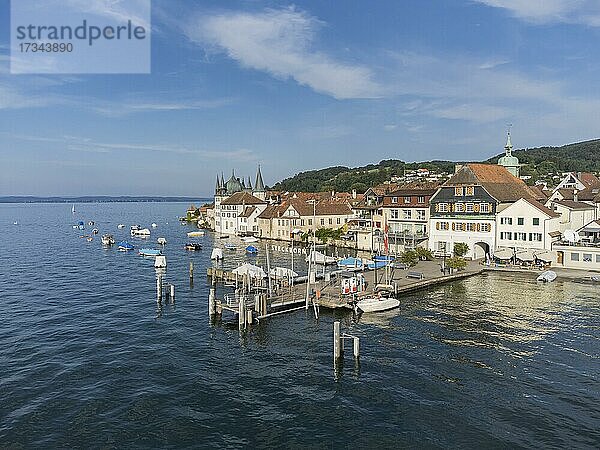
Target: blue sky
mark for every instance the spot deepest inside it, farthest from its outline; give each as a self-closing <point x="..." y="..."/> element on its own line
<point x="304" y="85"/>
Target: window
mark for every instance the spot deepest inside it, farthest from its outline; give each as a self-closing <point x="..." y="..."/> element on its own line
<point x="505" y="220"/>
<point x="394" y="199"/>
<point x="443" y="207"/>
<point x="407" y="214"/>
<point x="458" y="191"/>
<point x="520" y="221"/>
<point x="406" y="199"/>
<point x="598" y="258"/>
<point x="535" y="237"/>
<point x="443" y="226"/>
<point x="339" y="221"/>
<point x="471" y="226"/>
<point x="484" y="207"/>
<point x="330" y="221"/>
<point x="486" y="227"/>
<point x="310" y="221"/>
<point x="507" y="235"/>
<point x="522" y="236"/>
<point x="420" y="214"/>
<point x="459" y="207"/>
<point x="421" y="199"/>
<point x="587" y="257"/>
<point x="536" y="221"/>
<point x="323" y="222"/>
<point x="469" y="207"/>
<point x="470" y="190"/>
<point x="394" y="214"/>
<point x="574" y="256"/>
<point x="301" y="222"/>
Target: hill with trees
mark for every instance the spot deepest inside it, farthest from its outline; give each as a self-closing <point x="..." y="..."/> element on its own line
<point x="537" y="162"/>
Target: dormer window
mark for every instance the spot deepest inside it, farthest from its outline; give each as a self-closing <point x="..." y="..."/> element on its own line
<point x="394" y="199"/>
<point x="470" y="190"/>
<point x="406" y="199"/>
<point x="458" y="191"/>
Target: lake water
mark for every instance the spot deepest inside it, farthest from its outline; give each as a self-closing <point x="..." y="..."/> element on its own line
<point x="88" y="358"/>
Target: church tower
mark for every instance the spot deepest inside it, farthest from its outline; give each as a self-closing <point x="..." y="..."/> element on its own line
<point x="259" y="186"/>
<point x="508" y="160"/>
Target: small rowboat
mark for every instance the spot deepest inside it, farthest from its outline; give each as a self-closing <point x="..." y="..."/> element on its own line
<point x="149" y="252"/>
<point x="195" y="233"/>
<point x="193" y="247"/>
<point x="251" y="250"/>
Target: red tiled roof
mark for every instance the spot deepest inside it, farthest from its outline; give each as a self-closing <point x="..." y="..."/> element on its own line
<point x="574" y="205"/>
<point x="499" y="182"/>
<point x="242" y="198"/>
<point x="542" y="208"/>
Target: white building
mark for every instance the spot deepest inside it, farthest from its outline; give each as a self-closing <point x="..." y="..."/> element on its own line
<point x="239" y="213"/>
<point x="526" y="224"/>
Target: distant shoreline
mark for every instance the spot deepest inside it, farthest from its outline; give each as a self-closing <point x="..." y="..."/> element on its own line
<point x="103" y="199"/>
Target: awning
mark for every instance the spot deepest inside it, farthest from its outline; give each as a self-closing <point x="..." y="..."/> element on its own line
<point x="504" y="253"/>
<point x="545" y="256"/>
<point x="593" y="227"/>
<point x="525" y="255"/>
<point x="251" y="270"/>
<point x="283" y="272"/>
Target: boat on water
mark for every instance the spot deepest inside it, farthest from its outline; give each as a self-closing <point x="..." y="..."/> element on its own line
<point x="139" y="232"/>
<point x="230" y="246"/>
<point x="195" y="233"/>
<point x="95" y="231"/>
<point x="385" y="258"/>
<point x="547" y="276"/>
<point x="320" y="258"/>
<point x="282" y="272"/>
<point x="251" y="250"/>
<point x="350" y="263"/>
<point x="120" y="226"/>
<point x="153" y="225"/>
<point x="73" y="209"/>
<point x="192" y="246"/>
<point x="161" y="241"/>
<point x="249" y="239"/>
<point x="124" y="246"/>
<point x="149" y="252"/>
<point x="216" y="254"/>
<point x="377" y="304"/>
<point x="81" y="225"/>
<point x="107" y="239"/>
<point x="224" y="236"/>
<point x="91" y="223"/>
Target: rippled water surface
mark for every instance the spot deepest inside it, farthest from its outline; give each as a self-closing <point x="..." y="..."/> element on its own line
<point x="88" y="358"/>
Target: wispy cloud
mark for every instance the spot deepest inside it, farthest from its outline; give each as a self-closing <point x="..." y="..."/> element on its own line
<point x="550" y="11"/>
<point x="281" y="42"/>
<point x="125" y="107"/>
<point x="88" y="145"/>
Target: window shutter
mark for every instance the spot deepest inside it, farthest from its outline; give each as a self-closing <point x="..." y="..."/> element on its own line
<point x="478" y="227"/>
<point x="453" y="226"/>
<point x="437" y="225"/>
<point x="476" y="207"/>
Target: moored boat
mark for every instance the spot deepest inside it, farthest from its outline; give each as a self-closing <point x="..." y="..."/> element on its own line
<point x="230" y="246"/>
<point x="249" y="239"/>
<point x="193" y="246"/>
<point x="195" y="233"/>
<point x="251" y="250"/>
<point x="149" y="252"/>
<point x="350" y="263"/>
<point x="320" y="258"/>
<point x="107" y="239"/>
<point x="125" y="246"/>
<point x="547" y="276"/>
<point x="161" y="241"/>
<point x="376" y="304"/>
<point x="140" y="232"/>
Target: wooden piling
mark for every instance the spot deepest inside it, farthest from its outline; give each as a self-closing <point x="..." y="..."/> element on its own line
<point x="337" y="341"/>
<point x="356" y="347"/>
<point x="249" y="317"/>
<point x="159" y="288"/>
<point x="191" y="272"/>
<point x="212" y="306"/>
<point x="242" y="312"/>
<point x="172" y="292"/>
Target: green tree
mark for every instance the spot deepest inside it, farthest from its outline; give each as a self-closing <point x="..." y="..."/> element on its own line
<point x="409" y="258"/>
<point x="456" y="262"/>
<point x="460" y="249"/>
<point x="424" y="254"/>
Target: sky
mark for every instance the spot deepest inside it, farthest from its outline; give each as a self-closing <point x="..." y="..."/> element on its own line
<point x="301" y="86"/>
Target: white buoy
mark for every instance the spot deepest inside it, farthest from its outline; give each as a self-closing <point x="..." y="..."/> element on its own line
<point x="154" y="225"/>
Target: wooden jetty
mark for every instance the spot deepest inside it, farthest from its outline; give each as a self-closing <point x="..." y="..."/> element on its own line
<point x="258" y="298"/>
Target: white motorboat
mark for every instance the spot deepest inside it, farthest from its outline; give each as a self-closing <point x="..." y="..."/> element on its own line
<point x="376" y="304"/>
<point x="195" y="233"/>
<point x="143" y="233"/>
<point x="154" y="225"/>
<point x="161" y="241"/>
<point x="547" y="276"/>
<point x="249" y="239"/>
<point x="217" y="254"/>
<point x="120" y="226"/>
